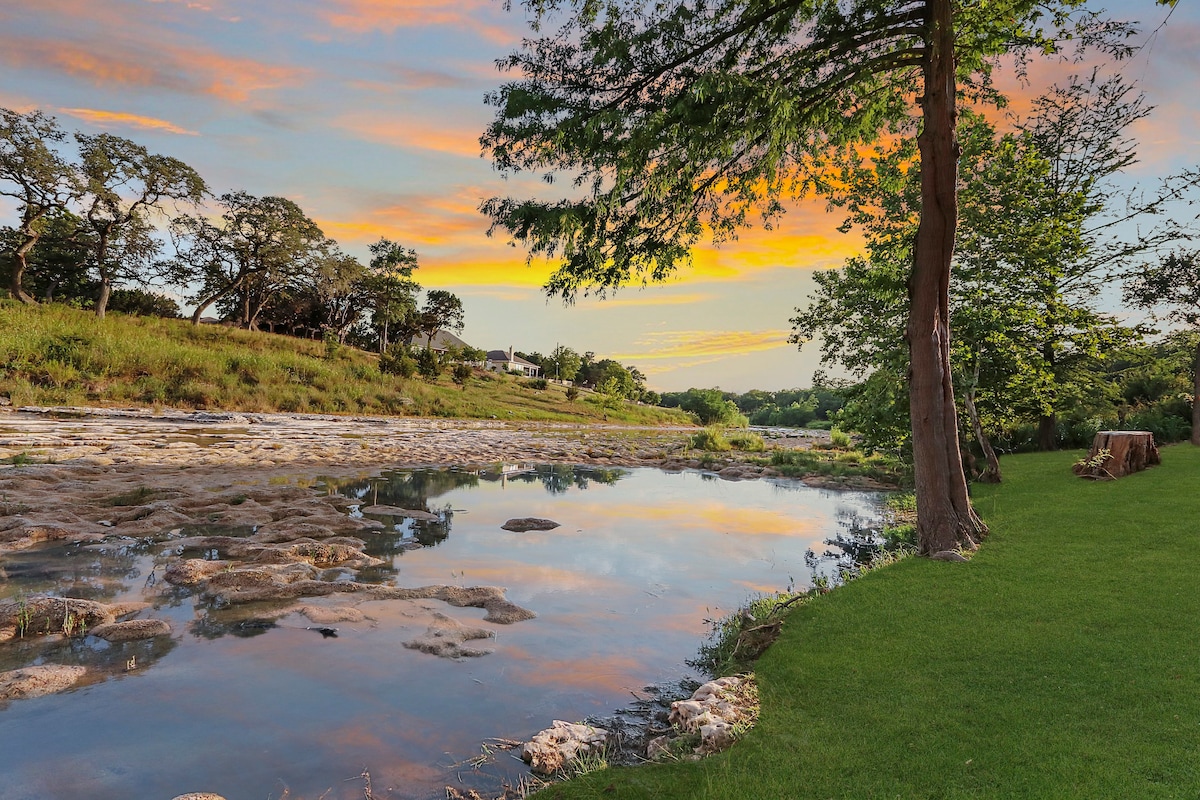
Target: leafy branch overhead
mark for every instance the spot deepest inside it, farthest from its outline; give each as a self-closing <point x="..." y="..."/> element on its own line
<point x="673" y="120"/>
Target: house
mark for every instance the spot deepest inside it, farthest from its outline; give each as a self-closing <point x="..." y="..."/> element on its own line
<point x="501" y="361"/>
<point x="442" y="341"/>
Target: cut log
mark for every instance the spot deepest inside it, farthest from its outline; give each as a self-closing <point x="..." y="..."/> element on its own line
<point x="1117" y="453"/>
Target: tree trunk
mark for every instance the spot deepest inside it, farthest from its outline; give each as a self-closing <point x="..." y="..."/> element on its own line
<point x="1196" y="396"/>
<point x="992" y="473"/>
<point x="102" y="298"/>
<point x="945" y="519"/>
<point x="20" y="264"/>
<point x="1048" y="423"/>
<point x="1048" y="432"/>
<point x="1117" y="453"/>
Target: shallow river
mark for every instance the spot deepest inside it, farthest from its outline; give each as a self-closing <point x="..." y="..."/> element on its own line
<point x="621" y="591"/>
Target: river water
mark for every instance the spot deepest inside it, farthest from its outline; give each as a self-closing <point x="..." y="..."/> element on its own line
<point x="622" y="590"/>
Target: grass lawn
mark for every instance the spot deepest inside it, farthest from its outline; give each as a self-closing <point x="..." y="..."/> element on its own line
<point x="1063" y="661"/>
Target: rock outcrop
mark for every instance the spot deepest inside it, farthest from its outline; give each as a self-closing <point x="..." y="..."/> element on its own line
<point x="563" y="742"/>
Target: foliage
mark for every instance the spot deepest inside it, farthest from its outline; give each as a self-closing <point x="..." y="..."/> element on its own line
<point x="462" y="373"/>
<point x="747" y="441"/>
<point x="710" y="407"/>
<point x="537" y="383"/>
<point x="398" y="361"/>
<point x="142" y="303"/>
<point x="711" y="440"/>
<point x="429" y="366"/>
<point x="839" y="440"/>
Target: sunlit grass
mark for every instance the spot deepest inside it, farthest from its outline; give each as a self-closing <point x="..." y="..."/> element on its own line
<point x="54" y="355"/>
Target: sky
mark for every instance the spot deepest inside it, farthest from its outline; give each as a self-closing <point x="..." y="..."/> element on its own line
<point x="367" y="113"/>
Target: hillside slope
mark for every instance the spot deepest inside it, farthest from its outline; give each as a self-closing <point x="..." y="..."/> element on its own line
<point x="54" y="355"/>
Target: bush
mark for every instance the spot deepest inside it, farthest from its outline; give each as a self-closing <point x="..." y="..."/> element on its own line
<point x="397" y="361"/>
<point x="839" y="440"/>
<point x="572" y="393"/>
<point x="711" y="407"/>
<point x="747" y="441"/>
<point x="462" y="374"/>
<point x="712" y="440"/>
<point x="537" y="383"/>
<point x="429" y="365"/>
<point x="142" y="303"/>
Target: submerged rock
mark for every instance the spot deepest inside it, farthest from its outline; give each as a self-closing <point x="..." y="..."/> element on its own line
<point x="523" y="524"/>
<point x="447" y="637"/>
<point x="36" y="616"/>
<point x="555" y="747"/>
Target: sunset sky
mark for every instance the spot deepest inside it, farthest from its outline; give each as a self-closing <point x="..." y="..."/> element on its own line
<point x="368" y="112"/>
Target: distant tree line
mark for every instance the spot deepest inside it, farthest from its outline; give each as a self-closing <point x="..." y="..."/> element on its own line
<point x="98" y="213"/>
<point x="605" y="376"/>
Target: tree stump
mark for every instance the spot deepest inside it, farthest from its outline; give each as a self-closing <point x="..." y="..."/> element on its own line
<point x="1117" y="453"/>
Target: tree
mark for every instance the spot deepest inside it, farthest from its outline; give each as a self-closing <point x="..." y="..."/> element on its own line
<point x="442" y="311"/>
<point x="1029" y="260"/>
<point x="392" y="290"/>
<point x="565" y="363"/>
<point x="677" y="118"/>
<point x="36" y="176"/>
<point x="58" y="268"/>
<point x="125" y="185"/>
<point x="1174" y="283"/>
<point x="247" y="258"/>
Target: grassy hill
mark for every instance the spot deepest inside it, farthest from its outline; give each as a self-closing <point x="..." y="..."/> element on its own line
<point x="54" y="355"/>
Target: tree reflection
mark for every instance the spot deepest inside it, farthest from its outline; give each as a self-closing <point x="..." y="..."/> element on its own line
<point x="560" y="478"/>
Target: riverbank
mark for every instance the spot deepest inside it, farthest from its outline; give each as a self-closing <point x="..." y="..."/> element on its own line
<point x="1061" y="661"/>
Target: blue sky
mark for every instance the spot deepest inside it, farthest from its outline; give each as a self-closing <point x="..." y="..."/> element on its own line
<point x="367" y="113"/>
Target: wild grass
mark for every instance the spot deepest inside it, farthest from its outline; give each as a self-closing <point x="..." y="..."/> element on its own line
<point x="1059" y="662"/>
<point x="54" y="355"/>
<point x="839" y="464"/>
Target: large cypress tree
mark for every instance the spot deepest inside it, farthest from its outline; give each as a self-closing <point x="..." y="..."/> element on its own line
<point x="676" y="118"/>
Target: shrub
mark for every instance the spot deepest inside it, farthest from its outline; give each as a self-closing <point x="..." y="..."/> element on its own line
<point x="142" y="303"/>
<point x="839" y="440"/>
<point x="537" y="383"/>
<point x="712" y="440"/>
<point x="462" y="374"/>
<point x="747" y="441"/>
<point x="429" y="365"/>
<point x="397" y="361"/>
<point x="572" y="393"/>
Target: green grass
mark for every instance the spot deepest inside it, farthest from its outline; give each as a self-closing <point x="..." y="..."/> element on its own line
<point x="1063" y="661"/>
<point x="54" y="355"/>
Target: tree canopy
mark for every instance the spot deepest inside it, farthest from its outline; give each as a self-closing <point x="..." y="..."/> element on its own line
<point x="675" y="120"/>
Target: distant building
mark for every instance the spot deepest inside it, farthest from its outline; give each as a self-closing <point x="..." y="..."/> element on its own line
<point x="501" y="361"/>
<point x="442" y="341"/>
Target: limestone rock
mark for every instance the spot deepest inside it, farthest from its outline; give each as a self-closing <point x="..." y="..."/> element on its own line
<point x="447" y="637"/>
<point x="37" y="681"/>
<point x="396" y="511"/>
<point x="713" y="710"/>
<point x="949" y="555"/>
<point x="132" y="630"/>
<point x="522" y="524"/>
<point x="550" y="750"/>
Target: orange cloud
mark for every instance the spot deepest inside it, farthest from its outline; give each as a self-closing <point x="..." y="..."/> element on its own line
<point x="409" y="133"/>
<point x="107" y="119"/>
<point x="706" y="343"/>
<point x="363" y="16"/>
<point x="191" y="71"/>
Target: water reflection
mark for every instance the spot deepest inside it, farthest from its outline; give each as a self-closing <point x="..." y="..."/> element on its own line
<point x="241" y="699"/>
